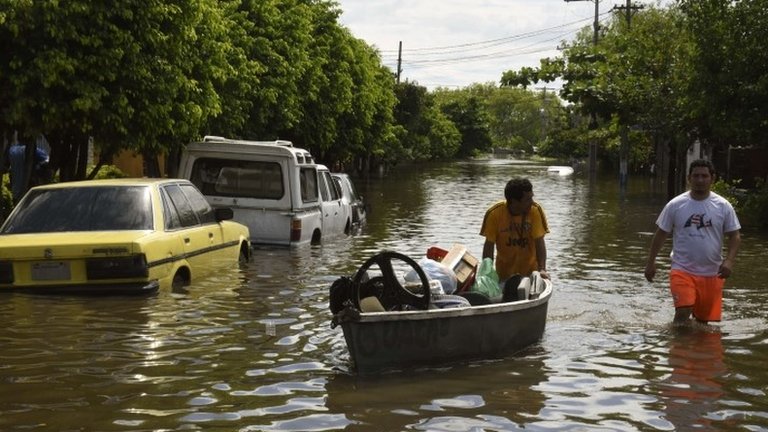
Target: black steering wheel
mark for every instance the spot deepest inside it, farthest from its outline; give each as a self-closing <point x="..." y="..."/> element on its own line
<point x="387" y="288"/>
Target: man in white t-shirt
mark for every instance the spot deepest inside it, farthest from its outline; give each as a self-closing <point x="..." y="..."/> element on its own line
<point x="698" y="219"/>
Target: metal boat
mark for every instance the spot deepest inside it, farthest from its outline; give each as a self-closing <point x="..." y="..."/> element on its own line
<point x="409" y="333"/>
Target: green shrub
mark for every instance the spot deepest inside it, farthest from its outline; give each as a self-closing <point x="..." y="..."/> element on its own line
<point x="755" y="207"/>
<point x="729" y="191"/>
<point x="6" y="199"/>
<point x="108" y="172"/>
<point x="751" y="205"/>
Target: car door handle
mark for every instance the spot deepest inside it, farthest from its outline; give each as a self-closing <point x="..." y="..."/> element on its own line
<point x="186" y="240"/>
<point x="210" y="235"/>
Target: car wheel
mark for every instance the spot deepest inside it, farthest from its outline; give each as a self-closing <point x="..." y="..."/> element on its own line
<point x="316" y="237"/>
<point x="244" y="256"/>
<point x="178" y="281"/>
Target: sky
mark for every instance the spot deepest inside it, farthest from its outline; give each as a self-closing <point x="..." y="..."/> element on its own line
<point x="455" y="43"/>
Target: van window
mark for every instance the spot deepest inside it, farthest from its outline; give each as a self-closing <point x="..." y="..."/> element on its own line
<point x="308" y="180"/>
<point x="343" y="191"/>
<point x="238" y="178"/>
<point x="329" y="188"/>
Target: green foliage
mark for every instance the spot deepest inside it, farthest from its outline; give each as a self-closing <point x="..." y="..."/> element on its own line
<point x="6" y="197"/>
<point x="131" y="73"/>
<point x="149" y="76"/>
<point x="755" y="207"/>
<point x="467" y="109"/>
<point x="518" y="118"/>
<point x="751" y="205"/>
<point x="728" y="191"/>
<point x="729" y="78"/>
<point x="698" y="69"/>
<point x="108" y="172"/>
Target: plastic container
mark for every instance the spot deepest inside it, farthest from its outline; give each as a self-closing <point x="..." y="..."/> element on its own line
<point x="524" y="289"/>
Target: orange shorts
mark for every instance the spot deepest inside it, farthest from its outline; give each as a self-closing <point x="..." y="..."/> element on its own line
<point x="703" y="293"/>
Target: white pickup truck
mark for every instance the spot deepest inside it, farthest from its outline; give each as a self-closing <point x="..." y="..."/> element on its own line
<point x="274" y="188"/>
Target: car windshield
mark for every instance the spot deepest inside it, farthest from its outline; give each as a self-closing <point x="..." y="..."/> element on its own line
<point x="97" y="208"/>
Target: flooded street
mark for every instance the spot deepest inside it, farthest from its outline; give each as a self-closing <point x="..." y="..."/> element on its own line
<point x="252" y="349"/>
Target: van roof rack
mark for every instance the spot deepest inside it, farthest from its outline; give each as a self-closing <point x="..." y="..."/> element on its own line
<point x="214" y="138"/>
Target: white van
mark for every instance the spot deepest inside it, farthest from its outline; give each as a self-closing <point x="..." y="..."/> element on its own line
<point x="274" y="188"/>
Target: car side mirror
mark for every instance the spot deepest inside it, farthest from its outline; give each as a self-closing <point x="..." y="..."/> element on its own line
<point x="224" y="213"/>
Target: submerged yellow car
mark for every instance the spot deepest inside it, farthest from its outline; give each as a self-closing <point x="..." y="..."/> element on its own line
<point x="117" y="236"/>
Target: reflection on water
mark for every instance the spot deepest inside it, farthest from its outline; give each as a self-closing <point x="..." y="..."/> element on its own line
<point x="693" y="389"/>
<point x="252" y="349"/>
<point x="458" y="398"/>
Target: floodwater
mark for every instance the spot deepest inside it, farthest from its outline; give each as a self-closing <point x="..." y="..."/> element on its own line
<point x="253" y="350"/>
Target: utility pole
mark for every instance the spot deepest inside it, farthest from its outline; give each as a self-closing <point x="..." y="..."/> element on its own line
<point x="628" y="10"/>
<point x="596" y="25"/>
<point x="399" y="61"/>
<point x="592" y="163"/>
<point x="543" y="112"/>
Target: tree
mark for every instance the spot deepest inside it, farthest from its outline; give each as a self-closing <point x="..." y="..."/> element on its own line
<point x="729" y="75"/>
<point x="466" y="108"/>
<point x="634" y="79"/>
<point x="131" y="74"/>
<point x="426" y="132"/>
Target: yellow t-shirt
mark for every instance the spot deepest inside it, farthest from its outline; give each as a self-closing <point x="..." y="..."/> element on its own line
<point x="514" y="237"/>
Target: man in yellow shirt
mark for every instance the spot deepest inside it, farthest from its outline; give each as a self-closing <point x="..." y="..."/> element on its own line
<point x="516" y="228"/>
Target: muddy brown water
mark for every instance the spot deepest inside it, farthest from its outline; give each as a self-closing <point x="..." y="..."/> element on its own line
<point x="252" y="349"/>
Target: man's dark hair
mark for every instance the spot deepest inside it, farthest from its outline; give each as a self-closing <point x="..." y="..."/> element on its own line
<point x="516" y="188"/>
<point x="702" y="163"/>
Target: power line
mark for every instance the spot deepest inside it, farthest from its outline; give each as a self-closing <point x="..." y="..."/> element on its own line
<point x="438" y="59"/>
<point x="528" y="49"/>
<point x="478" y="52"/>
<point x="487" y="43"/>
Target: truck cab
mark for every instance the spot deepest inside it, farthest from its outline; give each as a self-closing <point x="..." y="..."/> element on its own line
<point x="274" y="188"/>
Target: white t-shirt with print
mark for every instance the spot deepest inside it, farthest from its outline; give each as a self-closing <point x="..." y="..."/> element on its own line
<point x="697" y="228"/>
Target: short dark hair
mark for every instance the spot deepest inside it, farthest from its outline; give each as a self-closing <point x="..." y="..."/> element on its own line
<point x="516" y="188"/>
<point x="702" y="163"/>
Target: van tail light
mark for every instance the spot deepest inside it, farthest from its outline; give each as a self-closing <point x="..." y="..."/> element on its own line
<point x="295" y="230"/>
<point x="125" y="267"/>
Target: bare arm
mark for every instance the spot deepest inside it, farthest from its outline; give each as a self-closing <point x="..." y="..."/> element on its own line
<point x="658" y="241"/>
<point x="541" y="257"/>
<point x="726" y="267"/>
<point x="488" y="250"/>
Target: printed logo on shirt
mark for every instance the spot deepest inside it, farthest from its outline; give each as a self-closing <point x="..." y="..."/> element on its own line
<point x="521" y="231"/>
<point x="698" y="221"/>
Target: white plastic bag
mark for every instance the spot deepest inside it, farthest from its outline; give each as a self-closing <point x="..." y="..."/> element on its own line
<point x="435" y="271"/>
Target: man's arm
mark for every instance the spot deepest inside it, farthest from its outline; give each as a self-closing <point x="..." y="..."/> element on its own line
<point x="488" y="250"/>
<point x="658" y="241"/>
<point x="541" y="257"/>
<point x="734" y="241"/>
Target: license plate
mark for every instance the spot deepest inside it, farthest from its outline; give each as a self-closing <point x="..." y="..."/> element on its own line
<point x="50" y="270"/>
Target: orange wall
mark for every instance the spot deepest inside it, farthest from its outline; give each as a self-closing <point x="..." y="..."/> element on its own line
<point x="132" y="163"/>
